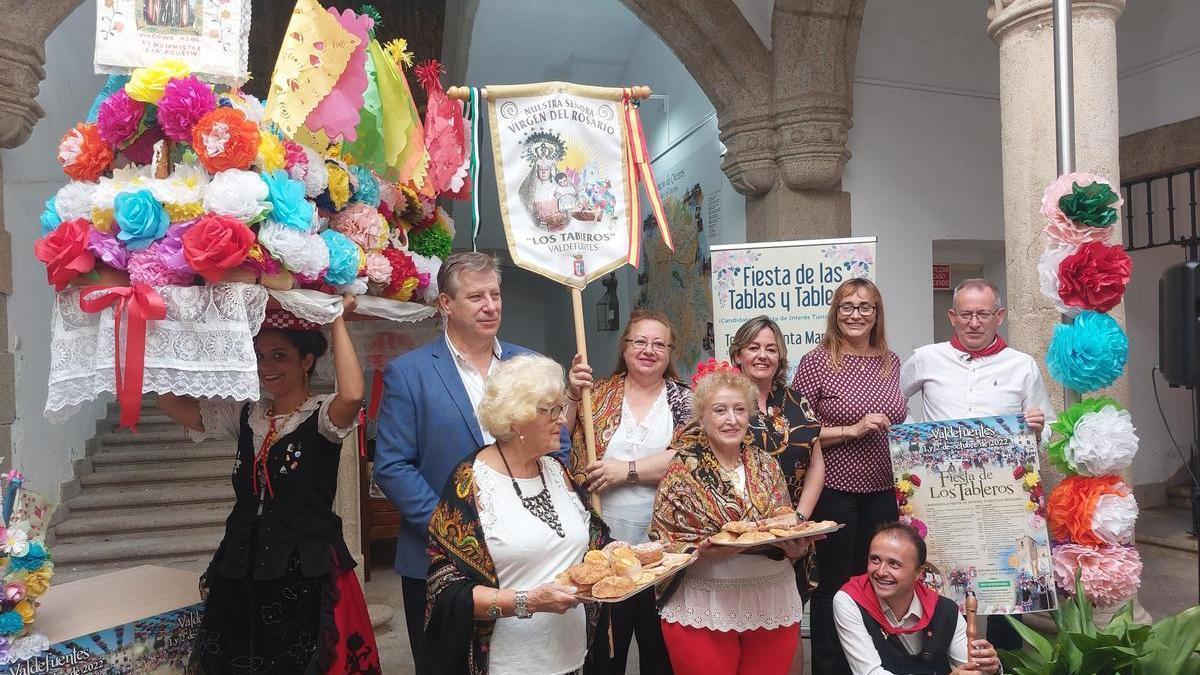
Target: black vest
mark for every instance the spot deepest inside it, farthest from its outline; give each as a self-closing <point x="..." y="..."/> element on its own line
<point x="933" y="659"/>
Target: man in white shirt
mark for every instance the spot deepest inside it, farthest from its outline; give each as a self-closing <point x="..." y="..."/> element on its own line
<point x="888" y="623"/>
<point x="976" y="374"/>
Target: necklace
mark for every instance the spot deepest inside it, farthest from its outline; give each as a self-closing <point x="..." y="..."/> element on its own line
<point x="540" y="505"/>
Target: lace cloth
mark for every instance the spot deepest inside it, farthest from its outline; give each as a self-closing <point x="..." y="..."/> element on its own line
<point x="323" y="308"/>
<point x="204" y="348"/>
<point x="742" y="593"/>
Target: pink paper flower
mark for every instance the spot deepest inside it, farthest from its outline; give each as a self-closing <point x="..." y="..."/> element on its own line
<point x="119" y="118"/>
<point x="294" y="156"/>
<point x="149" y="267"/>
<point x="361" y="223"/>
<point x="108" y="249"/>
<point x="1059" y="227"/>
<point x="184" y="101"/>
<point x="379" y="269"/>
<point x="1110" y="574"/>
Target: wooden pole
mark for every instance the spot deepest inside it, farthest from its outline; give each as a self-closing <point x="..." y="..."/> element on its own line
<point x="589" y="429"/>
<point x="972" y="607"/>
<point x="461" y="93"/>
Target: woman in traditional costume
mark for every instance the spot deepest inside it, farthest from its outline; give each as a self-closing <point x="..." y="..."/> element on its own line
<point x="281" y="593"/>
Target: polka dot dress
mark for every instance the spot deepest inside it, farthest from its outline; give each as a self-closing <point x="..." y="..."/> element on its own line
<point x="840" y="398"/>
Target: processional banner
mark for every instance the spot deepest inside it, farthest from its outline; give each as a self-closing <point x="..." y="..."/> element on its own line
<point x="973" y="488"/>
<point x="567" y="161"/>
<point x="792" y="282"/>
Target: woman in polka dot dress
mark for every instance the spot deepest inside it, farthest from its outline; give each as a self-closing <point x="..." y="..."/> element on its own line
<point x="853" y="382"/>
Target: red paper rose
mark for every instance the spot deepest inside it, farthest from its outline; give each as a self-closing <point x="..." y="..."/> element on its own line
<point x="225" y="139"/>
<point x="83" y="154"/>
<point x="65" y="252"/>
<point x="1094" y="276"/>
<point x="216" y="244"/>
<point x="915" y="480"/>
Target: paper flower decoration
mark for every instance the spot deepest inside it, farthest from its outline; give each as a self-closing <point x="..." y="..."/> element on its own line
<point x="366" y="186"/>
<point x="1089" y="353"/>
<point x="431" y="241"/>
<point x="49" y="219"/>
<point x="33" y="558"/>
<point x="65" y="253"/>
<point x="149" y="267"/>
<point x="148" y="84"/>
<point x="379" y="270"/>
<point x="1109" y="574"/>
<point x="216" y="244"/>
<point x="240" y="194"/>
<point x="1059" y="227"/>
<point x="338" y="193"/>
<point x="1048" y="266"/>
<point x="302" y="253"/>
<point x="706" y="368"/>
<point x="1094" y="276"/>
<point x="119" y="118"/>
<point x="11" y="623"/>
<point x="404" y="279"/>
<point x="1094" y="437"/>
<point x="182" y="192"/>
<point x="271" y="153"/>
<point x="83" y="154"/>
<point x="108" y="249"/>
<point x="184" y="101"/>
<point x="427" y="270"/>
<point x="141" y="149"/>
<point x="74" y="200"/>
<point x="260" y="261"/>
<point x="1092" y="511"/>
<point x="225" y="139"/>
<point x="343" y="258"/>
<point x="1091" y="204"/>
<point x="338" y="113"/>
<point x="141" y="218"/>
<point x="16" y="543"/>
<point x="312" y="172"/>
<point x="288" y="205"/>
<point x="363" y="224"/>
<point x="916" y="524"/>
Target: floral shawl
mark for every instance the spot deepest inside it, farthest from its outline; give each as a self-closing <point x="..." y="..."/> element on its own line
<point x="608" y="399"/>
<point x="694" y="499"/>
<point x="786" y="431"/>
<point x="456" y="642"/>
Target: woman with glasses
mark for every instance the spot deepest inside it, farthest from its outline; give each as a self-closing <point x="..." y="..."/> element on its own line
<point x="508" y="522"/>
<point x="635" y="413"/>
<point x="853" y="382"/>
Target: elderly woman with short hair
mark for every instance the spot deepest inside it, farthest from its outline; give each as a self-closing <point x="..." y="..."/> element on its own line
<point x="509" y="520"/>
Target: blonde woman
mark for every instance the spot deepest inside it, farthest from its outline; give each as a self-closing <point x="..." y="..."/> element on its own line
<point x="508" y="521"/>
<point x="853" y="382"/>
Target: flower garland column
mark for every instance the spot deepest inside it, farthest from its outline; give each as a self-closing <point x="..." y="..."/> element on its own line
<point x="1023" y="31"/>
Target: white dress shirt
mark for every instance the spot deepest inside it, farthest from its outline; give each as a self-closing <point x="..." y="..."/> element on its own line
<point x="473" y="380"/>
<point x="860" y="649"/>
<point x="954" y="386"/>
<point x="627" y="508"/>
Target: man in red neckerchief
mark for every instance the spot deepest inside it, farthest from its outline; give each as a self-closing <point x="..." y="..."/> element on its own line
<point x="891" y="624"/>
<point x="976" y="374"/>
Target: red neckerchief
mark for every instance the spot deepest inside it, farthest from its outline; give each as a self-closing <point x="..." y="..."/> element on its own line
<point x="863" y="592"/>
<point x="998" y="345"/>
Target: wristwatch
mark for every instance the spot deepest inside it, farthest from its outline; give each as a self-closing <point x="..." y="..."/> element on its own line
<point x="521" y="605"/>
<point x="801" y="515"/>
<point x="632" y="476"/>
<point x="494" y="609"/>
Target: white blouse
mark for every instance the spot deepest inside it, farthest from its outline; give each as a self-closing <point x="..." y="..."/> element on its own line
<point x="627" y="508"/>
<point x="527" y="553"/>
<point x="223" y="419"/>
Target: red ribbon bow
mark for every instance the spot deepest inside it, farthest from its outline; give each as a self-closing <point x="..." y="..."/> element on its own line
<point x="138" y="304"/>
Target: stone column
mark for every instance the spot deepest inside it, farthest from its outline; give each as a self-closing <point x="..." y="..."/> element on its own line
<point x="1024" y="32"/>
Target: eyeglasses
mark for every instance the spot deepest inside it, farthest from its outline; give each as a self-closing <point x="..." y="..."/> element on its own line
<point x="554" y="412"/>
<point x="847" y="309"/>
<point x="642" y="344"/>
<point x="967" y="316"/>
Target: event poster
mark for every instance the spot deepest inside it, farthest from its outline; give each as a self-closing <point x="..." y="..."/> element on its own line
<point x="792" y="282"/>
<point x="974" y="487"/>
<point x="209" y="35"/>
<point x="560" y="156"/>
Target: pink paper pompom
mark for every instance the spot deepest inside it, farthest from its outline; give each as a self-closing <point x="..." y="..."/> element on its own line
<point x="119" y="118"/>
<point x="294" y="157"/>
<point x="184" y="101"/>
<point x="1110" y="574"/>
<point x="361" y="223"/>
<point x="379" y="269"/>
<point x="1059" y="227"/>
<point x="141" y="150"/>
<point x="150" y="267"/>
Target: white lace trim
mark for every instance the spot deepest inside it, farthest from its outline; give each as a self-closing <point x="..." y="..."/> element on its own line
<point x="222" y="419"/>
<point x="23" y="649"/>
<point x="204" y="347"/>
<point x="739" y="605"/>
<point x="485" y="483"/>
<point x="554" y="473"/>
<point x="309" y="305"/>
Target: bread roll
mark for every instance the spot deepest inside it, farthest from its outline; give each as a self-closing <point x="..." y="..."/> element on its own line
<point x="612" y="587"/>
<point x="649" y="552"/>
<point x="739" y="526"/>
<point x="754" y="537"/>
<point x="628" y="568"/>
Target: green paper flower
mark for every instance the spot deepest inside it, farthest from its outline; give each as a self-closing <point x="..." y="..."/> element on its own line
<point x="430" y="242"/>
<point x="1064" y="428"/>
<point x="1091" y="205"/>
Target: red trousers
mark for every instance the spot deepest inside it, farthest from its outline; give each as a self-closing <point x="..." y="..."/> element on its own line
<point x="701" y="651"/>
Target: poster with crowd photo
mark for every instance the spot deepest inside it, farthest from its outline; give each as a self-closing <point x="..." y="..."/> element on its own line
<point x="561" y="172"/>
<point x="792" y="282"/>
<point x="973" y="487"/>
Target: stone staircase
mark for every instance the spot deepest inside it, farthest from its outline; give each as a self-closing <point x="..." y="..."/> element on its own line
<point x="154" y="497"/>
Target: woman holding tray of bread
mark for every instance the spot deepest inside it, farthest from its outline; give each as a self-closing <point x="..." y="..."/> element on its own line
<point x="636" y="412"/>
<point x="509" y="521"/>
<point x="728" y="614"/>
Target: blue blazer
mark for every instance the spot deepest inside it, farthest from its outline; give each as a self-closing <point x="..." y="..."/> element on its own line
<point x="426" y="428"/>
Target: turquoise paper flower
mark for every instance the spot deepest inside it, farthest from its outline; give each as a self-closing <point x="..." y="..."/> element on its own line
<point x="367" y="189"/>
<point x="344" y="258"/>
<point x="288" y="204"/>
<point x="142" y="219"/>
<point x="1089" y="353"/>
<point x="50" y="219"/>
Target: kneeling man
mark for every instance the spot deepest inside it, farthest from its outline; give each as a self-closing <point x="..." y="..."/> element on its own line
<point x="891" y="624"/>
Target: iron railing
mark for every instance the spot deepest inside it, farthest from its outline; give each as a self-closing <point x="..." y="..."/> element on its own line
<point x="1146" y="227"/>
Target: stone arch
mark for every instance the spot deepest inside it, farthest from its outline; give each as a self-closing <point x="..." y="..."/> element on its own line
<point x="23" y="36"/>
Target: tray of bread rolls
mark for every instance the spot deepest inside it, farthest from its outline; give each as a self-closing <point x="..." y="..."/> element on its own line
<point x="621" y="570"/>
<point x="750" y="533"/>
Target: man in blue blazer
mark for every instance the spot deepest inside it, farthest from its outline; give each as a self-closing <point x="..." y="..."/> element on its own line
<point x="427" y="422"/>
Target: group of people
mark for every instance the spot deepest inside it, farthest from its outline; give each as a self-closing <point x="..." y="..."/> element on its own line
<point x="481" y="447"/>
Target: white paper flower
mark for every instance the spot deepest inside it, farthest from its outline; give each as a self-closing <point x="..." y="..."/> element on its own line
<point x="1114" y="515"/>
<point x="74" y="200"/>
<point x="16" y="543"/>
<point x="313" y="173"/>
<point x="430" y="266"/>
<point x="1048" y="265"/>
<point x="126" y="179"/>
<point x="237" y="193"/>
<point x="185" y="185"/>
<point x="301" y="253"/>
<point x="1102" y="442"/>
<point x="250" y="106"/>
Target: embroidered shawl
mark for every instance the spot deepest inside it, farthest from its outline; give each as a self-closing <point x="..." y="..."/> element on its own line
<point x="608" y="399"/>
<point x="695" y="499"/>
<point x="786" y="431"/>
<point x="455" y="640"/>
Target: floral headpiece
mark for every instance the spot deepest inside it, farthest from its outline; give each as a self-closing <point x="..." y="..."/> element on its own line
<point x="706" y="368"/>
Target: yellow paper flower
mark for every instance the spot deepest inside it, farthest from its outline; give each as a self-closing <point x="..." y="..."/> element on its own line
<point x="397" y="51"/>
<point x="904" y="486"/>
<point x="339" y="186"/>
<point x="147" y="84"/>
<point x="270" y="152"/>
<point x="405" y="292"/>
<point x="183" y="212"/>
<point x="102" y="220"/>
<point x="1030" y="506"/>
<point x="26" y="610"/>
<point x="362" y="260"/>
<point x="907" y="509"/>
<point x="37" y="582"/>
<point x="1031" y="478"/>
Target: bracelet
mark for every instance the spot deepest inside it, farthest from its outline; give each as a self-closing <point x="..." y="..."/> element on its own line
<point x="494" y="611"/>
<point x="521" y="605"/>
<point x="801" y="516"/>
<point x="572" y="398"/>
<point x="842" y="431"/>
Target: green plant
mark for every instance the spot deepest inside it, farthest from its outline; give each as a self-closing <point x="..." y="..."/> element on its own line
<point x="1122" y="647"/>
